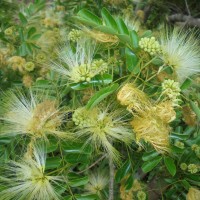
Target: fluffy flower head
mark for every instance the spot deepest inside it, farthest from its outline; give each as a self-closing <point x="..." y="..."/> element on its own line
<point x="101" y="126"/>
<point x="26" y="179"/>
<point x="181" y="51"/>
<point x="78" y="66"/>
<point x="35" y="114"/>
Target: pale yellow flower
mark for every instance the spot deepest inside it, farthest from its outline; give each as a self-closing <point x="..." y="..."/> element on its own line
<point x="26" y="179"/>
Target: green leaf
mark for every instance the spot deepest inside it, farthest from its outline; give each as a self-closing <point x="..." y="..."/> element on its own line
<point x="179" y="136"/>
<point x="122" y="28"/>
<point x="100" y="95"/>
<point x="105" y="29"/>
<point x="97" y="80"/>
<point x="76" y="147"/>
<point x="186" y="84"/>
<point x="149" y="155"/>
<point x="123" y="171"/>
<point x="53" y="162"/>
<point x="147" y="33"/>
<point x="171" y="167"/>
<point x="5" y="140"/>
<point x="134" y="39"/>
<point x="89" y="16"/>
<point x="124" y="38"/>
<point x="87" y="197"/>
<point x="149" y="165"/>
<point x="157" y="61"/>
<point x="196" y="109"/>
<point x="75" y="158"/>
<point x="108" y="19"/>
<point x="131" y="61"/>
<point x="78" y="181"/>
<point x="177" y="150"/>
<point x="185" y="184"/>
<point x="31" y="31"/>
<point x="23" y="49"/>
<point x="23" y="19"/>
<point x="36" y="36"/>
<point x="129" y="182"/>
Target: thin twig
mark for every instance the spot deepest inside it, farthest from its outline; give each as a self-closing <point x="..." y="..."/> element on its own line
<point x="93" y="164"/>
<point x="188" y="10"/>
<point x="111" y="181"/>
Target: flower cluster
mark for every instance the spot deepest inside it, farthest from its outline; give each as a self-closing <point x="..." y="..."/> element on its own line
<point x="150" y="45"/>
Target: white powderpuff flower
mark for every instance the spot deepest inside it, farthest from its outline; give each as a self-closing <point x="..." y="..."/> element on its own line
<point x="103" y="125"/>
<point x="26" y="179"/>
<point x="77" y="65"/>
<point x="181" y="52"/>
<point x="35" y="114"/>
<point x="97" y="182"/>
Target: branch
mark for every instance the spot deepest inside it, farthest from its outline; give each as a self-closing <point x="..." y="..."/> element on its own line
<point x="184" y="19"/>
<point x="111" y="182"/>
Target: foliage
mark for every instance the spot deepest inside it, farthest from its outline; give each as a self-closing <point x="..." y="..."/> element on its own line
<point x="90" y="98"/>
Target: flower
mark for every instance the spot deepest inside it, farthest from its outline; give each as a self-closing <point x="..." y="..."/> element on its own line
<point x="102" y="125"/>
<point x="166" y="111"/>
<point x="181" y="52"/>
<point x="26" y="179"/>
<point x="17" y="63"/>
<point x="78" y="66"/>
<point x="141" y="195"/>
<point x="74" y="35"/>
<point x="29" y="66"/>
<point x="171" y="90"/>
<point x="97" y="182"/>
<point x="135" y="99"/>
<point x="183" y="166"/>
<point x="9" y="31"/>
<point x="192" y="168"/>
<point x="193" y="194"/>
<point x="27" y="80"/>
<point x="179" y="144"/>
<point x="35" y="114"/>
<point x="151" y="128"/>
<point x="150" y="45"/>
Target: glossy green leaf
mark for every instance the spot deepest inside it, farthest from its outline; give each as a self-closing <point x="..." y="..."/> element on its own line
<point x="124" y="38"/>
<point x="122" y="28"/>
<point x="89" y="16"/>
<point x="76" y="147"/>
<point x="31" y="31"/>
<point x="23" y="19"/>
<point x="100" y="95"/>
<point x="53" y="162"/>
<point x="123" y="171"/>
<point x="179" y="136"/>
<point x="147" y="33"/>
<point x="105" y="29"/>
<point x="129" y="182"/>
<point x="186" y="84"/>
<point x="149" y="155"/>
<point x="149" y="165"/>
<point x="36" y="36"/>
<point x="75" y="158"/>
<point x="78" y="181"/>
<point x="97" y="80"/>
<point x="177" y="150"/>
<point x="196" y="109"/>
<point x="134" y="39"/>
<point x="87" y="197"/>
<point x="171" y="167"/>
<point x="131" y="60"/>
<point x="108" y="19"/>
<point x="5" y="140"/>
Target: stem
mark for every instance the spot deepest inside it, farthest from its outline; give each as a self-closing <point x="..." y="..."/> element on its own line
<point x="111" y="182"/>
